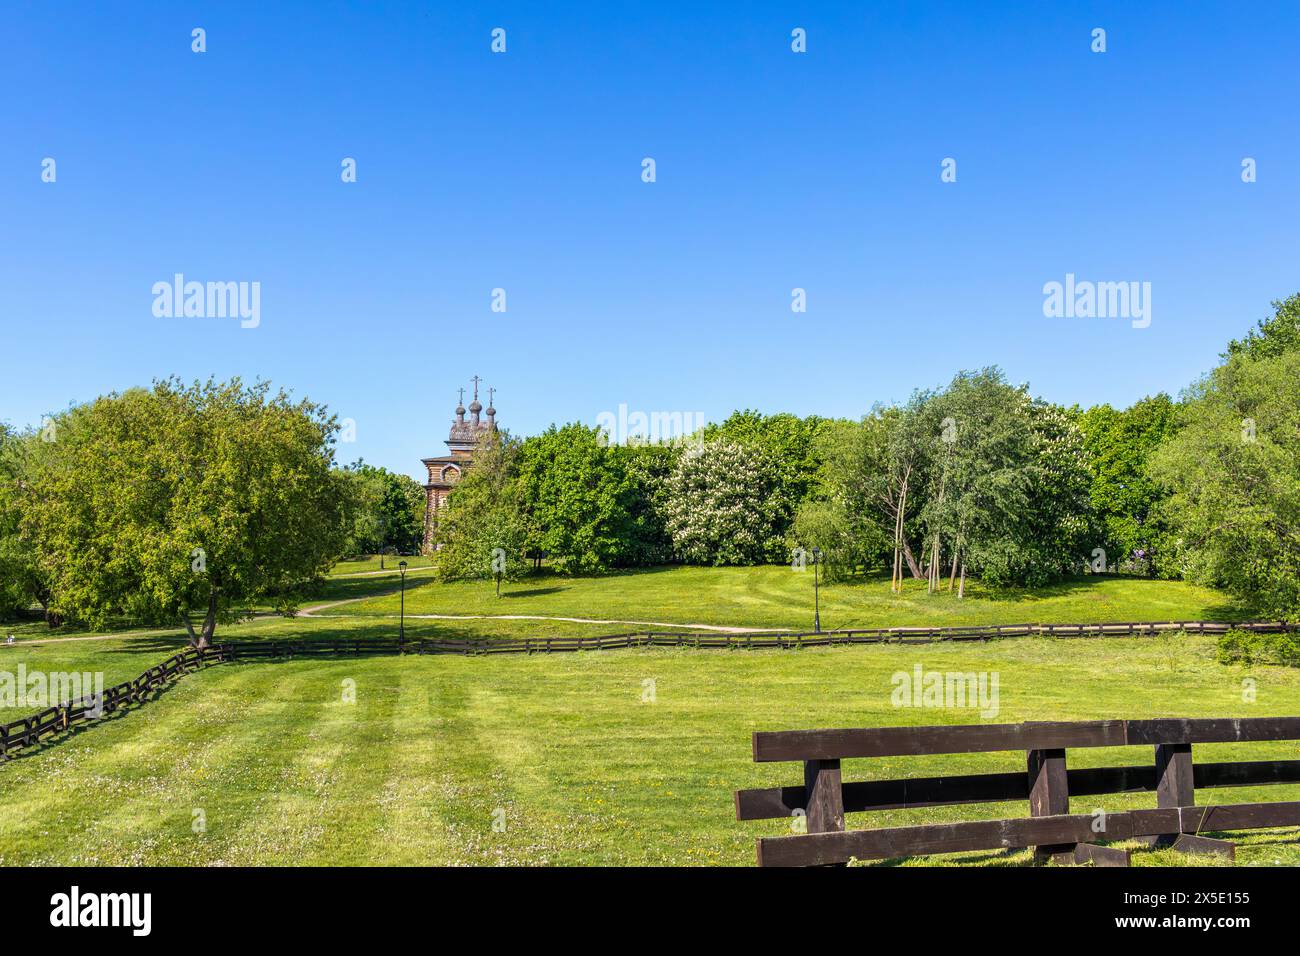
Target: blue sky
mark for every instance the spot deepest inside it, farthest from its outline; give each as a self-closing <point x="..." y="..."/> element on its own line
<point x="522" y="171"/>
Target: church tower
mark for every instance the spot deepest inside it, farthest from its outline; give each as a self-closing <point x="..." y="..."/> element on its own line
<point x="446" y="470"/>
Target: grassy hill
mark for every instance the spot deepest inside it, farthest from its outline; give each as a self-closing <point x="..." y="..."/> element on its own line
<point x="781" y="597"/>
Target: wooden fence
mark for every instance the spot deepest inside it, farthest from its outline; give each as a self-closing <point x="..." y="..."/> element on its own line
<point x="823" y="799"/>
<point x="28" y="731"/>
<point x="784" y="640"/>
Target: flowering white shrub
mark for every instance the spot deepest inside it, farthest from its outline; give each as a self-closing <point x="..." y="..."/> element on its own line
<point x="722" y="506"/>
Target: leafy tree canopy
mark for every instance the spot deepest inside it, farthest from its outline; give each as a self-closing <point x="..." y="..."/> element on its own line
<point x="479" y="531"/>
<point x="157" y="505"/>
<point x="1273" y="336"/>
<point x="577" y="499"/>
<point x="390" y="511"/>
<point x="1119" y="444"/>
<point x="1233" y="471"/>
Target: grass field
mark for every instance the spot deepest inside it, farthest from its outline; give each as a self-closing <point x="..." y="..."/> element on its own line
<point x="585" y="771"/>
<point x="780" y="597"/>
<point x="371" y="563"/>
<point x="562" y="748"/>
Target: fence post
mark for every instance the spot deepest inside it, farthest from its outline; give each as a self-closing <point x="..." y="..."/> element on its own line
<point x="825" y="796"/>
<point x="1049" y="795"/>
<point x="1175" y="787"/>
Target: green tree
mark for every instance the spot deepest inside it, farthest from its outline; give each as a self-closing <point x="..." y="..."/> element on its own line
<point x="21" y="583"/>
<point x="1119" y="445"/>
<point x="853" y="513"/>
<point x="649" y="468"/>
<point x="578" y="500"/>
<point x="1274" y="335"/>
<point x="1006" y="491"/>
<point x="480" y="531"/>
<point x="1233" y="473"/>
<point x="390" y="511"/>
<point x="159" y="505"/>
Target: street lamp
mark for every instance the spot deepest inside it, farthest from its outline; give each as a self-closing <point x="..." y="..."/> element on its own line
<point x="401" y="633"/>
<point x="817" y="604"/>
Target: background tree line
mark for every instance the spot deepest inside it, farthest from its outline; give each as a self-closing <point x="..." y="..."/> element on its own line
<point x="193" y="503"/>
<point x="976" y="477"/>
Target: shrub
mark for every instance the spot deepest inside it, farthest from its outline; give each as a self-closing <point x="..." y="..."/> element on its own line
<point x="721" y="508"/>
<point x="1249" y="647"/>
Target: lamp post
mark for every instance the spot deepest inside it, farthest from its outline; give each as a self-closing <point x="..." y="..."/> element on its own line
<point x="401" y="633"/>
<point x="817" y="604"/>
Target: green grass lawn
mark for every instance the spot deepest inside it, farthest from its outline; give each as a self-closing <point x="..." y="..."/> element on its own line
<point x="583" y="771"/>
<point x="781" y="597"/>
<point x="564" y="750"/>
<point x="371" y="563"/>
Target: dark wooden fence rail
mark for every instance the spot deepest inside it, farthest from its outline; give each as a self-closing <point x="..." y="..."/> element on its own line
<point x="29" y="730"/>
<point x="1048" y="785"/>
<point x="752" y="641"/>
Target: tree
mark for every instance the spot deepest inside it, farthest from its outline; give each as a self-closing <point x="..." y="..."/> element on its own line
<point x="649" y="468"/>
<point x="1233" y="473"/>
<point x="390" y="511"/>
<point x="1009" y="497"/>
<point x="480" y="531"/>
<point x="577" y="500"/>
<point x="852" y="514"/>
<point x="21" y="583"/>
<point x="1273" y="336"/>
<point x="159" y="505"/>
<point x="722" y="507"/>
<point x="794" y="445"/>
<point x="1119" y="445"/>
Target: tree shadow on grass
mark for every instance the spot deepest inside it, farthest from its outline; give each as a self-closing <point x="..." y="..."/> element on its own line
<point x="532" y="592"/>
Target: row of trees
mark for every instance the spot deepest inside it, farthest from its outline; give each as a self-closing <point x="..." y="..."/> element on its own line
<point x="725" y="496"/>
<point x="977" y="477"/>
<point x="193" y="503"/>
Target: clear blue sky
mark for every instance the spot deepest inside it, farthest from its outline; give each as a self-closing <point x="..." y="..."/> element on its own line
<point x="523" y="171"/>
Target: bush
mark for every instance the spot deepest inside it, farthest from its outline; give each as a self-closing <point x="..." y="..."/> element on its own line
<point x="721" y="507"/>
<point x="1248" y="647"/>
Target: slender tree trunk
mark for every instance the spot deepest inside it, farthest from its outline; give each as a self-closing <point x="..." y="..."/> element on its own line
<point x="935" y="552"/>
<point x="203" y="637"/>
<point x="917" y="571"/>
<point x="961" y="591"/>
<point x="897" y="583"/>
